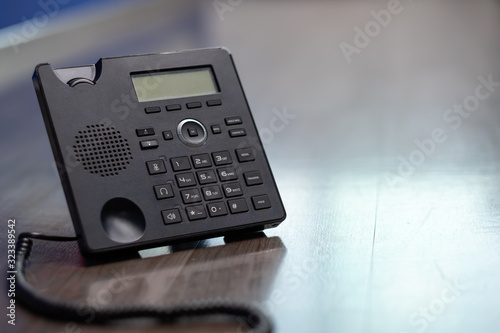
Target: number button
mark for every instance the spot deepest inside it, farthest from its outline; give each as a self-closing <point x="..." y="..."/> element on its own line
<point x="233" y="190"/>
<point x="217" y="209"/>
<point x="191" y="196"/>
<point x="201" y="161"/>
<point x="185" y="179"/>
<point x="222" y="157"/>
<point x="226" y="174"/>
<point x="206" y="177"/>
<point x="211" y="192"/>
<point x="180" y="163"/>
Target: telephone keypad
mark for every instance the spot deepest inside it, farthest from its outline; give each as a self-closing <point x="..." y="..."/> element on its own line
<point x="213" y="184"/>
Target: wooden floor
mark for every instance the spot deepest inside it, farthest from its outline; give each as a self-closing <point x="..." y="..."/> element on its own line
<point x="392" y="191"/>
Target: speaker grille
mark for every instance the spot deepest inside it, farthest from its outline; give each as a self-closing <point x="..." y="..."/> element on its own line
<point x="102" y="150"/>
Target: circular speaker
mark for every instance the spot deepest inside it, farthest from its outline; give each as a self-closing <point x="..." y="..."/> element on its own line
<point x="102" y="150"/>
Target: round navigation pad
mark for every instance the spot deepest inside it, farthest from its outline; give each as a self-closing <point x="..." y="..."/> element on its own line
<point x="122" y="220"/>
<point x="192" y="132"/>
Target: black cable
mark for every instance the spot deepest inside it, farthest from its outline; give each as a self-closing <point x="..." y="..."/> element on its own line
<point x="257" y="321"/>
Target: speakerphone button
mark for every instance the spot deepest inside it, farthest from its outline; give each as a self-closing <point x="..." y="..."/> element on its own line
<point x="171" y="216"/>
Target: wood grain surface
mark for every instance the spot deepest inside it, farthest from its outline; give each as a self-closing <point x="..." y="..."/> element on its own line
<point x="388" y="163"/>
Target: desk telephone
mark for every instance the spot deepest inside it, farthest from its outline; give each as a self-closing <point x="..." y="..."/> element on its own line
<point x="156" y="149"/>
<point x="152" y="150"/>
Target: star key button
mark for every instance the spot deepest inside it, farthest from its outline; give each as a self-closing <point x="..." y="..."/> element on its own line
<point x="196" y="212"/>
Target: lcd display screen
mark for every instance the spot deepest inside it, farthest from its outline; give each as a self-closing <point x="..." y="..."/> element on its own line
<point x="174" y="84"/>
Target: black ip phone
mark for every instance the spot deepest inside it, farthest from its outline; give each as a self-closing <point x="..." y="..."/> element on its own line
<point x="156" y="149"/>
<point x="153" y="150"/>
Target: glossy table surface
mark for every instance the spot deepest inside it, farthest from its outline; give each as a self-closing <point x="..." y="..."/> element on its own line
<point x="387" y="161"/>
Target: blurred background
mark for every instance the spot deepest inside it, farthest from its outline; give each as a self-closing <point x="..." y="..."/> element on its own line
<point x="386" y="153"/>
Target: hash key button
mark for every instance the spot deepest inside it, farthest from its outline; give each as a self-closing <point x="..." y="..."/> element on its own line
<point x="237" y="206"/>
<point x="252" y="178"/>
<point x="261" y="202"/>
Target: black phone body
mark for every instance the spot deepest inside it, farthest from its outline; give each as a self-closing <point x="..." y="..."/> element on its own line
<point x="157" y="149"/>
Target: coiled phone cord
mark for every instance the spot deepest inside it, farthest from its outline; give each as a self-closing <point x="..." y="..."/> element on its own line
<point x="60" y="310"/>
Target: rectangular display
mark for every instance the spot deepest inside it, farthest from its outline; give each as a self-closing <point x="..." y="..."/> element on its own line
<point x="174" y="84"/>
